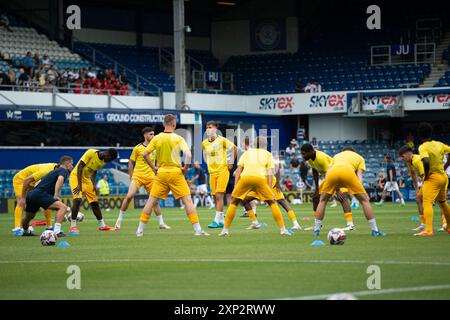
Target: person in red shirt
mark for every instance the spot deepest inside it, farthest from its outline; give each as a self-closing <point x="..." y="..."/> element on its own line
<point x="288" y="184"/>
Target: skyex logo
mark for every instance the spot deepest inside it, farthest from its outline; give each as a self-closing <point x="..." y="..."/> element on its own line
<point x="443" y="99"/>
<point x="330" y="100"/>
<point x="380" y="100"/>
<point x="283" y="103"/>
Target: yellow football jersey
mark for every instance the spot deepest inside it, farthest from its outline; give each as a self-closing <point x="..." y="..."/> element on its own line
<point x="321" y="163"/>
<point x="215" y="153"/>
<point x="168" y="147"/>
<point x="256" y="162"/>
<point x="38" y="171"/>
<point x="434" y="150"/>
<point x="349" y="159"/>
<point x="416" y="165"/>
<point x="141" y="167"/>
<point x="92" y="161"/>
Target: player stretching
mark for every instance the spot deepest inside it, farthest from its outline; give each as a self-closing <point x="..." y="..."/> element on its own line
<point x="169" y="176"/>
<point x="320" y="162"/>
<point x="82" y="181"/>
<point x="47" y="195"/>
<point x="279" y="197"/>
<point x="254" y="173"/>
<point x="140" y="175"/>
<point x="215" y="150"/>
<point x="24" y="181"/>
<point x="391" y="183"/>
<point x="435" y="181"/>
<point x="341" y="174"/>
<point x="415" y="167"/>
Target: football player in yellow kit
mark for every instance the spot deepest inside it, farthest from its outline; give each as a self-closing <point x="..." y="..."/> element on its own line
<point x="345" y="171"/>
<point x="82" y="181"/>
<point x="141" y="175"/>
<point x="435" y="182"/>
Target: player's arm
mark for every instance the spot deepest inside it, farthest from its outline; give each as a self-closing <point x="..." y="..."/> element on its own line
<point x="237" y="174"/>
<point x="26" y="184"/>
<point x="278" y="177"/>
<point x="80" y="168"/>
<point x="270" y="177"/>
<point x="426" y="167"/>
<point x="187" y="160"/>
<point x="130" y="168"/>
<point x="58" y="186"/>
<point x="414" y="179"/>
<point x="391" y="176"/>
<point x="147" y="159"/>
<point x="234" y="151"/>
<point x="447" y="163"/>
<point x="93" y="179"/>
<point x="194" y="178"/>
<point x="360" y="173"/>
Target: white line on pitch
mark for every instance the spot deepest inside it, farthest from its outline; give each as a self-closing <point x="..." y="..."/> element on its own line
<point x="374" y="292"/>
<point x="387" y="262"/>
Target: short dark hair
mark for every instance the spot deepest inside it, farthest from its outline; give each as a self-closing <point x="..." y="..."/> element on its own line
<point x="147" y="129"/>
<point x="112" y="152"/>
<point x="425" y="130"/>
<point x="213" y="123"/>
<point x="388" y="156"/>
<point x="348" y="148"/>
<point x="169" y="118"/>
<point x="64" y="159"/>
<point x="404" y="150"/>
<point x="307" y="147"/>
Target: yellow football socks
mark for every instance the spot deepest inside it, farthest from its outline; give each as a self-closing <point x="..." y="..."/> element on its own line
<point x="276" y="214"/>
<point x="193" y="218"/>
<point x="48" y="217"/>
<point x="252" y="215"/>
<point x="292" y="216"/>
<point x="144" y="218"/>
<point x="18" y="217"/>
<point x="231" y="212"/>
<point x="422" y="219"/>
<point x="348" y="217"/>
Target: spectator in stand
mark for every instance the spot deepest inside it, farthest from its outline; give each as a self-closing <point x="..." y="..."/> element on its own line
<point x="317" y="86"/>
<point x="4" y="80"/>
<point x="46" y="62"/>
<point x="23" y="77"/>
<point x="28" y="64"/>
<point x="381" y="181"/>
<point x="280" y="163"/>
<point x="12" y="77"/>
<point x="294" y="163"/>
<point x="409" y="183"/>
<point x="401" y="183"/>
<point x="315" y="144"/>
<point x="37" y="59"/>
<point x="299" y="85"/>
<point x="4" y="22"/>
<point x="290" y="150"/>
<point x="309" y="181"/>
<point x="288" y="184"/>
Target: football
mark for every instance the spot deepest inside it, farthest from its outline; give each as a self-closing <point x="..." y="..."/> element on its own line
<point x="48" y="238"/>
<point x="67" y="216"/>
<point x="336" y="236"/>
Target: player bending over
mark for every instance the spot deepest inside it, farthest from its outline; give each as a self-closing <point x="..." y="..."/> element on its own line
<point x="345" y="171"/>
<point x="415" y="167"/>
<point x="319" y="161"/>
<point x="254" y="173"/>
<point x="141" y="174"/>
<point x="170" y="177"/>
<point x="47" y="195"/>
<point x="435" y="181"/>
<point x="215" y="150"/>
<point x="24" y="181"/>
<point x="279" y="197"/>
<point x="82" y="181"/>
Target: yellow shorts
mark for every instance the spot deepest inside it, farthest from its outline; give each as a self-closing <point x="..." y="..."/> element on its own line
<point x="435" y="188"/>
<point x="87" y="189"/>
<point x="167" y="181"/>
<point x="219" y="181"/>
<point x="277" y="193"/>
<point x="247" y="184"/>
<point x="146" y="182"/>
<point x="18" y="185"/>
<point x="341" y="177"/>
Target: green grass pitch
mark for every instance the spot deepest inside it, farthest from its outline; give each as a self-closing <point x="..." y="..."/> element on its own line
<point x="250" y="264"/>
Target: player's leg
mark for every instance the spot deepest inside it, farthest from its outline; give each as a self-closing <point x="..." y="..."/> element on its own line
<point x="430" y="191"/>
<point x="145" y="215"/>
<point x="29" y="215"/>
<point x="419" y="203"/>
<point x="282" y="202"/>
<point x="61" y="210"/>
<point x="248" y="208"/>
<point x="443" y="204"/>
<point x="383" y="195"/>
<point x="320" y="212"/>
<point x="192" y="215"/>
<point x="48" y="218"/>
<point x="231" y="213"/>
<point x="77" y="200"/>
<point x="95" y="206"/>
<point x="220" y="183"/>
<point x="342" y="198"/>
<point x="18" y="210"/>
<point x="132" y="189"/>
<point x="159" y="216"/>
<point x="400" y="195"/>
<point x="364" y="200"/>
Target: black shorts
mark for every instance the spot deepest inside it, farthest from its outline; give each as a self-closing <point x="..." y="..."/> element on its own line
<point x="37" y="199"/>
<point x="230" y="187"/>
